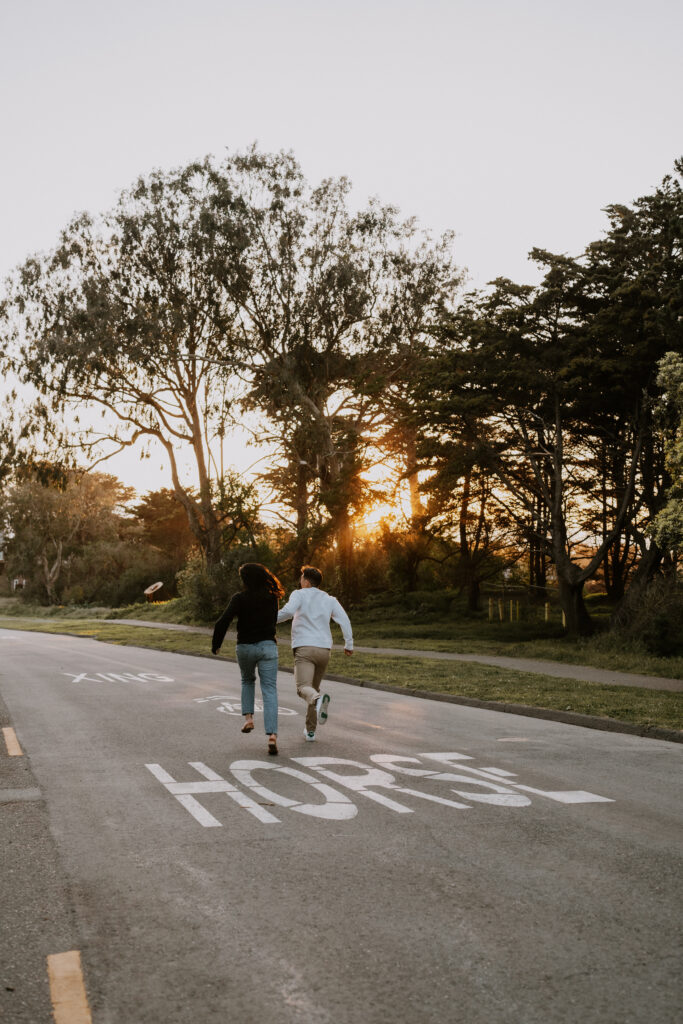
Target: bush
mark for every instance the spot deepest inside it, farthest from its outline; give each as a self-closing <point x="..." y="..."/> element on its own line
<point x="656" y="618"/>
<point x="205" y="590"/>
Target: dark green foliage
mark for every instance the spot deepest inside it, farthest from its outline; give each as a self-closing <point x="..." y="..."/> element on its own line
<point x="205" y="590"/>
<point x="70" y="538"/>
<point x="656" y="618"/>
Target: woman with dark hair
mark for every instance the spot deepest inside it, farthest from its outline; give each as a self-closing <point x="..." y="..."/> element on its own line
<point x="255" y="608"/>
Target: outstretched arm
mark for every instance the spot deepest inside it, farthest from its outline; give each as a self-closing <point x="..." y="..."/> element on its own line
<point x="221" y="627"/>
<point x="343" y="621"/>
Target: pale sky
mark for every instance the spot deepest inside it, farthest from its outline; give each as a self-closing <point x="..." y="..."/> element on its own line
<point x="512" y="122"/>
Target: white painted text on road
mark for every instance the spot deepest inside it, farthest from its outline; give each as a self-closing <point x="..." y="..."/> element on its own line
<point x="486" y="785"/>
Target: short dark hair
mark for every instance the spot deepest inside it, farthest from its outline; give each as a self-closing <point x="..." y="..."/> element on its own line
<point x="313" y="575"/>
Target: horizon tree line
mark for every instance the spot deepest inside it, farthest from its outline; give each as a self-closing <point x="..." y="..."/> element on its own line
<point x="531" y="422"/>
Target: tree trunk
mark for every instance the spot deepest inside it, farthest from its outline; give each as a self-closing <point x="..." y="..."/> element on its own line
<point x="416" y="507"/>
<point x="301" y="509"/>
<point x="473" y="589"/>
<point x="579" y="622"/>
<point x="346" y="563"/>
<point x="647" y="567"/>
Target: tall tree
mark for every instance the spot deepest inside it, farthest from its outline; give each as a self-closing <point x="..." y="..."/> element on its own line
<point x="321" y="301"/>
<point x="565" y="375"/>
<point x="634" y="280"/>
<point x="525" y="369"/>
<point x="127" y="316"/>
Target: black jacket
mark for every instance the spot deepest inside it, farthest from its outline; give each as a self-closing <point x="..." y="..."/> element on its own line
<point x="256" y="614"/>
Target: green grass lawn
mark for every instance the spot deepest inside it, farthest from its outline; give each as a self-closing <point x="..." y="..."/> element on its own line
<point x="392" y="625"/>
<point x="642" y="707"/>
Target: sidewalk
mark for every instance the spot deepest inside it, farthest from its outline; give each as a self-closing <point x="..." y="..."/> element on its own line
<point x="561" y="670"/>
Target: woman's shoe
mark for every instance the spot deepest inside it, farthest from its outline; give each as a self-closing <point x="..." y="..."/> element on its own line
<point x="272" y="745"/>
<point x="248" y="726"/>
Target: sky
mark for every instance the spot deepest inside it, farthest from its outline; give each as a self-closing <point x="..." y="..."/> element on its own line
<point x="511" y="122"/>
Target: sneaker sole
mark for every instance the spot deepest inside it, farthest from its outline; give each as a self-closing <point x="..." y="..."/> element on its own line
<point x="308" y="736"/>
<point x="322" y="714"/>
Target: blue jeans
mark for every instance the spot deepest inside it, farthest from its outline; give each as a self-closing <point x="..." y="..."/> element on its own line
<point x="264" y="656"/>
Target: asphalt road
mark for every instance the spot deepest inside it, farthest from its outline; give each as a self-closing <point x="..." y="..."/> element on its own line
<point x="436" y="863"/>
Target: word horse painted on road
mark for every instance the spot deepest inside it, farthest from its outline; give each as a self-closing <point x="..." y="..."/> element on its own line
<point x="492" y="786"/>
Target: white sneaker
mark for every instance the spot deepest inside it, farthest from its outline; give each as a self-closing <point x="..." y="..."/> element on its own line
<point x="322" y="708"/>
<point x="309" y="736"/>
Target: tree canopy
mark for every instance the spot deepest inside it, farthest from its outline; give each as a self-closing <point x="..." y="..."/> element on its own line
<point x="532" y="426"/>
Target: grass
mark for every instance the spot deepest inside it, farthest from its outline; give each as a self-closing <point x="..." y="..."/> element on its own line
<point x="642" y="707"/>
<point x="432" y="628"/>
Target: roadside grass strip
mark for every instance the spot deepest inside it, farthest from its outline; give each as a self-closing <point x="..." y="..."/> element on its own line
<point x="599" y="651"/>
<point x="67" y="989"/>
<point x="457" y="635"/>
<point x="634" y="705"/>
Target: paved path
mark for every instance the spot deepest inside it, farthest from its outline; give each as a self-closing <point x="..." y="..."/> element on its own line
<point x="561" y="670"/>
<point x="420" y="863"/>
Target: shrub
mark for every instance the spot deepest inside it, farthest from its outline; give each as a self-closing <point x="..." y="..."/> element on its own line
<point x="656" y="618"/>
<point x="205" y="590"/>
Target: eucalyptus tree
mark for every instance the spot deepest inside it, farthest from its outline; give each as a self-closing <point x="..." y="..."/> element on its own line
<point x="324" y="316"/>
<point x="127" y="316"/>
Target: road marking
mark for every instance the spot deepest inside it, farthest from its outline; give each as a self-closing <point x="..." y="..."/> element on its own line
<point x="576" y="796"/>
<point x="115" y="677"/>
<point x="369" y="780"/>
<point x="337" y="807"/>
<point x="11" y="742"/>
<point x="183" y="792"/>
<point x="488" y="785"/>
<point x="232" y="705"/>
<point x="67" y="990"/>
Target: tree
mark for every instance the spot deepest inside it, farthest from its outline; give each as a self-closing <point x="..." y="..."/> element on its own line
<point x="634" y="279"/>
<point x="164" y="523"/>
<point x="329" y="295"/>
<point x="667" y="526"/>
<point x="127" y="316"/>
<point x="524" y="370"/>
<point x="463" y="509"/>
<point x="49" y="525"/>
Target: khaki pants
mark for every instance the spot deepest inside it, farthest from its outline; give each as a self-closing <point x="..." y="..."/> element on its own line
<point x="309" y="667"/>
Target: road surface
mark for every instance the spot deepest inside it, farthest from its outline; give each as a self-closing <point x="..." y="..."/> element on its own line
<point x="420" y="862"/>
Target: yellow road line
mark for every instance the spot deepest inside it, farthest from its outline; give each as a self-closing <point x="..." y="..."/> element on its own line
<point x="13" y="747"/>
<point x="67" y="990"/>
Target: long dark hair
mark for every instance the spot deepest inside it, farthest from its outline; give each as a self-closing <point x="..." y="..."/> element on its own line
<point x="255" y="577"/>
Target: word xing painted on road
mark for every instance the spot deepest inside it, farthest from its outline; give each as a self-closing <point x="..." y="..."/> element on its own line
<point x="118" y="677"/>
<point x="232" y="705"/>
<point x="382" y="782"/>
